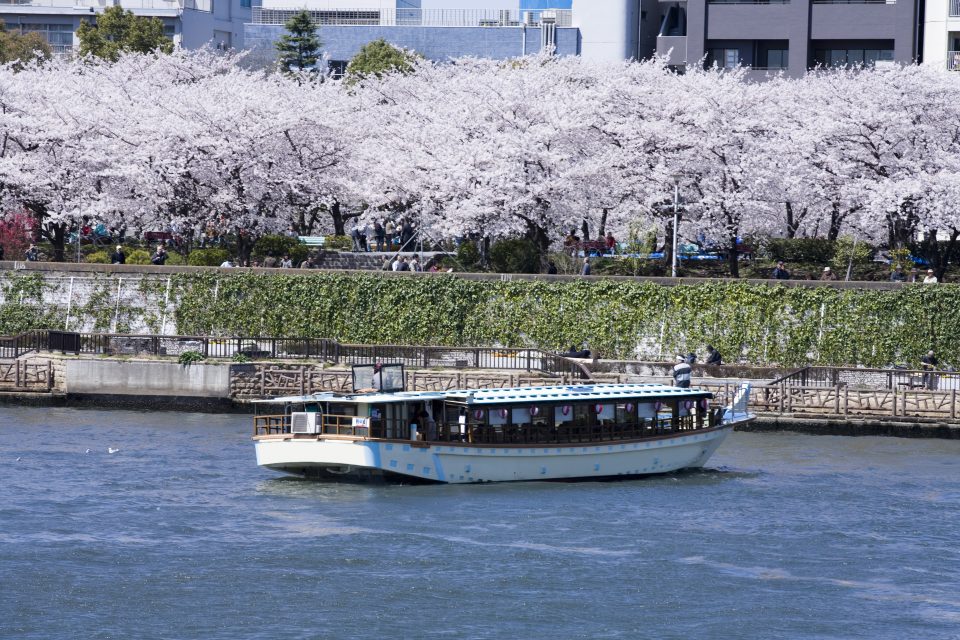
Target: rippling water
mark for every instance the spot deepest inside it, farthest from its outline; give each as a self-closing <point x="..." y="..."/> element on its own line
<point x="179" y="535"/>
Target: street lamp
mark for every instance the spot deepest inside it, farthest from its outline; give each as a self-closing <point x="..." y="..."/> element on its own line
<point x="676" y="221"/>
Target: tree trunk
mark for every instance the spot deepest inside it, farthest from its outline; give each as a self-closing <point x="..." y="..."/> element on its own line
<point x="57" y="235"/>
<point x="245" y="242"/>
<point x="733" y="257"/>
<point x="792" y="223"/>
<point x="585" y="228"/>
<point x="602" y="232"/>
<point x="939" y="258"/>
<point x="539" y="237"/>
<point x="339" y="224"/>
<point x="836" y="220"/>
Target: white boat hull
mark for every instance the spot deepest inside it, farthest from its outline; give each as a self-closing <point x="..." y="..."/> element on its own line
<point x="456" y="463"/>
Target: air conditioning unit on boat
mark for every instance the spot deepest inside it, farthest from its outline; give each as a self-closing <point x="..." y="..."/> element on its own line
<point x="303" y="422"/>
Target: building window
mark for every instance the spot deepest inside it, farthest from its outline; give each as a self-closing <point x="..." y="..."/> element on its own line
<point x="851" y="57"/>
<point x="723" y="58"/>
<point x="777" y="58"/>
<point x="245" y="4"/>
<point x="338" y="68"/>
<point x="58" y="36"/>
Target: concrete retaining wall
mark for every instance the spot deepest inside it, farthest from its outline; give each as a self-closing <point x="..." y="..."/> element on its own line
<point x="146" y="378"/>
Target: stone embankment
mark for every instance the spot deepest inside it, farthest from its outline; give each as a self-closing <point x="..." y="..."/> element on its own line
<point x="159" y="384"/>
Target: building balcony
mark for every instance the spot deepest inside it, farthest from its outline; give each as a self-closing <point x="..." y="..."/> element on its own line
<point x="953" y="60"/>
<point x="750" y="21"/>
<point x="673" y="49"/>
<point x="274" y="13"/>
<point x="853" y="21"/>
<point x="955" y="8"/>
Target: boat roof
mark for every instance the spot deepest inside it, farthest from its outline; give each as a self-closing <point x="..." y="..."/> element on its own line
<point x="360" y="397"/>
<point x="560" y="393"/>
<point x="509" y="395"/>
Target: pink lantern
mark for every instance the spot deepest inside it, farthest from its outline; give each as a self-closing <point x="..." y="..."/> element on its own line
<point x="478" y="414"/>
<point x="565" y="409"/>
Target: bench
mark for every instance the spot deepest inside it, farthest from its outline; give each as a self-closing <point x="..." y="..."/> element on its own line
<point x="157" y="236"/>
<point x="313" y="241"/>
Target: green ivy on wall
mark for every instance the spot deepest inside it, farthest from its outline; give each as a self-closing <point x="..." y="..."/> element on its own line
<point x="762" y="323"/>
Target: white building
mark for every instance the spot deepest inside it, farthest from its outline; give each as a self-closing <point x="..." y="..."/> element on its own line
<point x="190" y="23"/>
<point x="941" y="34"/>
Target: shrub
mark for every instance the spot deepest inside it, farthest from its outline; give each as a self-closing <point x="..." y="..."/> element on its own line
<point x="207" y="257"/>
<point x="338" y="243"/>
<point x="514" y="255"/>
<point x="139" y="256"/>
<point x="861" y="252"/>
<point x="189" y="357"/>
<point x="468" y="256"/>
<point x="815" y="250"/>
<point x="16" y="232"/>
<point x="279" y="246"/>
<point x="98" y="257"/>
<point x="142" y="256"/>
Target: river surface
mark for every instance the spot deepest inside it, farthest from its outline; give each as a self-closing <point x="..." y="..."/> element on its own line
<point x="178" y="534"/>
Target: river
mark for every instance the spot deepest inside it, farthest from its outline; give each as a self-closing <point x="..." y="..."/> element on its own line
<point x="178" y="534"/>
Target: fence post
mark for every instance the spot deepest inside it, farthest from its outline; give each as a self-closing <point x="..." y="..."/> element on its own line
<point x="303" y="383"/>
<point x="836" y="401"/>
<point x="846" y="401"/>
<point x="783" y="393"/>
<point x="894" y="403"/>
<point x="263" y="379"/>
<point x="17" y="364"/>
<point x="953" y="403"/>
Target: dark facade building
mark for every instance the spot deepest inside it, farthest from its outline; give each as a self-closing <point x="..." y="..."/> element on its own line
<point x="790" y="36"/>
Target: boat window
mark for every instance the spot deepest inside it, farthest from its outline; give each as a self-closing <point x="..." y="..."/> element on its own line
<point x="581" y="414"/>
<point x="342" y="409"/>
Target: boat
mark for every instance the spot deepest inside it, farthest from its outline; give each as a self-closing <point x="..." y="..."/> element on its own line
<point x="566" y="432"/>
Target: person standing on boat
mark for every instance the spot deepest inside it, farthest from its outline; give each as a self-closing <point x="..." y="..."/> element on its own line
<point x="681" y="373"/>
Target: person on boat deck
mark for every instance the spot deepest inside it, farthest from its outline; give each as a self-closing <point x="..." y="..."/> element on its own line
<point x="681" y="373"/>
<point x="421" y="419"/>
<point x="691" y="358"/>
<point x="713" y="356"/>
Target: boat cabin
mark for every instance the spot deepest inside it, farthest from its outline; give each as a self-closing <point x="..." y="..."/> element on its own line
<point x="520" y="415"/>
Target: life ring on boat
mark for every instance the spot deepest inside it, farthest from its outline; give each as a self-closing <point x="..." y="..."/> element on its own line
<point x="598" y="408"/>
<point x="657" y="406"/>
<point x="629" y="407"/>
<point x="478" y="414"/>
<point x="534" y="411"/>
<point x="565" y="409"/>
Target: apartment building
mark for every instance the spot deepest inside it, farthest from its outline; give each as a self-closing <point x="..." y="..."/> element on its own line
<point x="941" y="34"/>
<point x="791" y="36"/>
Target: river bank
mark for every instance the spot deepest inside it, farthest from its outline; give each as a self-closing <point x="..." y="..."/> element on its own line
<point x="106" y="382"/>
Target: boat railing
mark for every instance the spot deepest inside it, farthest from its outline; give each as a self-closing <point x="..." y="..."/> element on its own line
<point x="475" y="433"/>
